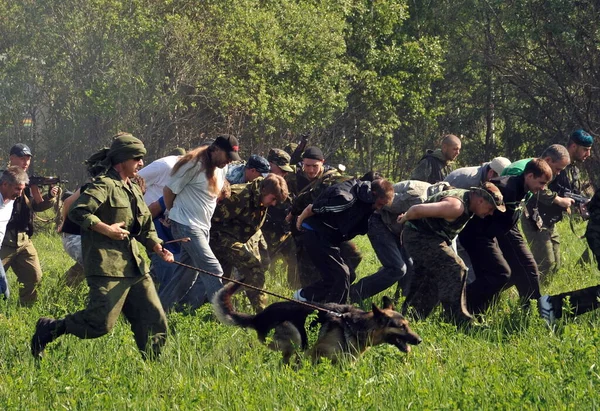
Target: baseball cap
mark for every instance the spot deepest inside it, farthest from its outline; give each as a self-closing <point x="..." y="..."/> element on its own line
<point x="230" y="145"/>
<point x="260" y="164"/>
<point x="280" y="158"/>
<point x="314" y="153"/>
<point x="498" y="164"/>
<point x="20" y="150"/>
<point x="491" y="194"/>
<point x="582" y="138"/>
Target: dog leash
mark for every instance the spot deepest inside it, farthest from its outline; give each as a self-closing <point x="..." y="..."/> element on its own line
<point x="309" y="305"/>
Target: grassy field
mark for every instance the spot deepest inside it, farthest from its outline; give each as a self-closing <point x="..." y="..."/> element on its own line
<point x="513" y="360"/>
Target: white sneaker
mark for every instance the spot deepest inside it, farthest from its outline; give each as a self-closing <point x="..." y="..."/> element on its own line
<point x="546" y="309"/>
<point x="298" y="296"/>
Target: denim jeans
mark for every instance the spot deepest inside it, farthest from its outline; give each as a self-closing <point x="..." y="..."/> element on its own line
<point x="387" y="248"/>
<point x="189" y="286"/>
<point x="4" y="290"/>
<point x="72" y="245"/>
<point x="161" y="271"/>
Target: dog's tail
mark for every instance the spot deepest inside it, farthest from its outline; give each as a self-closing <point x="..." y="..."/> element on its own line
<point x="224" y="310"/>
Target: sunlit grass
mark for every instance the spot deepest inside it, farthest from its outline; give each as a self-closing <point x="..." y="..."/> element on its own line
<point x="512" y="360"/>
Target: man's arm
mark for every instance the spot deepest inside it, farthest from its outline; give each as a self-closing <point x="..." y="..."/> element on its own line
<point x="42" y="203"/>
<point x="449" y="208"/>
<point x="168" y="197"/>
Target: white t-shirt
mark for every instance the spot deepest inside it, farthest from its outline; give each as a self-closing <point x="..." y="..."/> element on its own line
<point x="194" y="206"/>
<point x="5" y="213"/>
<point x="156" y="174"/>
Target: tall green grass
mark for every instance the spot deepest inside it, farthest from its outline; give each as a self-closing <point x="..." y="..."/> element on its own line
<point x="513" y="360"/>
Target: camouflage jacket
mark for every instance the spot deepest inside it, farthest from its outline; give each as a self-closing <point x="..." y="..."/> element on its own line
<point x="241" y="215"/>
<point x="110" y="200"/>
<point x="432" y="167"/>
<point x="441" y="227"/>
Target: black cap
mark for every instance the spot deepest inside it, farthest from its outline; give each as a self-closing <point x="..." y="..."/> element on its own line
<point x="259" y="163"/>
<point x="314" y="153"/>
<point x="20" y="150"/>
<point x="230" y="145"/>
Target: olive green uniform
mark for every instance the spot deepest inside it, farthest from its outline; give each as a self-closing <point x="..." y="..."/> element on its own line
<point x="235" y="222"/>
<point x="439" y="273"/>
<point x="116" y="271"/>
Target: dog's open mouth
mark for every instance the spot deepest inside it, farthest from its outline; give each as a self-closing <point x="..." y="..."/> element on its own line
<point x="400" y="344"/>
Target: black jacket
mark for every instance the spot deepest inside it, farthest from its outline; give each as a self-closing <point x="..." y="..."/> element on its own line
<point x="342" y="211"/>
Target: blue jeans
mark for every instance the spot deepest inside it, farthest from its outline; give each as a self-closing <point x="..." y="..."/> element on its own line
<point x="189" y="286"/>
<point x="162" y="271"/>
<point x="387" y="248"/>
<point x="4" y="283"/>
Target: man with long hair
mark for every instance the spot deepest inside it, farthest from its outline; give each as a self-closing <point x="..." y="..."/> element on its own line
<point x="191" y="197"/>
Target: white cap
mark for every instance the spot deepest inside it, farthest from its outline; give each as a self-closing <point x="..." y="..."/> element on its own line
<point x="498" y="164"/>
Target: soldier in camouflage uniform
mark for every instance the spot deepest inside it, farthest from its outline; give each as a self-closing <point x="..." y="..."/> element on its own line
<point x="437" y="164"/>
<point x="276" y="230"/>
<point x="440" y="274"/>
<point x="115" y="221"/>
<point x="236" y="220"/>
<point x="546" y="207"/>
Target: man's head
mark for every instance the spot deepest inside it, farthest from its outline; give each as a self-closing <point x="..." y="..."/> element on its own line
<point x="580" y="145"/>
<point x="273" y="190"/>
<point x="20" y="155"/>
<point x="312" y="162"/>
<point x="537" y="174"/>
<point x="383" y="193"/>
<point x="497" y="165"/>
<point x="224" y="150"/>
<point x="13" y="181"/>
<point x="256" y="166"/>
<point x="279" y="161"/>
<point x="177" y="151"/>
<point x="126" y="154"/>
<point x="557" y="157"/>
<point x="485" y="200"/>
<point x="451" y="147"/>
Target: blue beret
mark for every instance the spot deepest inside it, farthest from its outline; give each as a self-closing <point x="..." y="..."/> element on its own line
<point x="582" y="138"/>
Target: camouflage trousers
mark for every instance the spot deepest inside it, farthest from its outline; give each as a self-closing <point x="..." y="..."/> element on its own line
<point x="439" y="276"/>
<point x="135" y="297"/>
<point x="544" y="245"/>
<point x="245" y="257"/>
<point x="280" y="245"/>
<point x="592" y="235"/>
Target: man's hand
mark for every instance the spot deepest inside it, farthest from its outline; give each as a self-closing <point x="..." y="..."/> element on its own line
<point x="53" y="192"/>
<point x="163" y="253"/>
<point x="401" y="219"/>
<point x="114" y="231"/>
<point x="564" y="202"/>
<point x="307" y="212"/>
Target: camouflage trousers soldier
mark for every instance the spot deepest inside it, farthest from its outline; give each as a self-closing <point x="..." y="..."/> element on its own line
<point x="439" y="276"/>
<point x="245" y="257"/>
<point x="544" y="245"/>
<point x="281" y="245"/>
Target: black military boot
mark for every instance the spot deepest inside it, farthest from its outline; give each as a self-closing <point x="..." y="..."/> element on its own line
<point x="46" y="331"/>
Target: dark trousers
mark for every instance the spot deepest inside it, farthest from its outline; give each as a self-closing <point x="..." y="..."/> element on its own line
<point x="335" y="273"/>
<point x="581" y="301"/>
<point x="499" y="263"/>
<point x="389" y="252"/>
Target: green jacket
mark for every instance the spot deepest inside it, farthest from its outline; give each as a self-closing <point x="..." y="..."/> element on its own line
<point x="241" y="215"/>
<point x="432" y="168"/>
<point x="110" y="200"/>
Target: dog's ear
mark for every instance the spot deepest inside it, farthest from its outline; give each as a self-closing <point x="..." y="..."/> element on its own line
<point x="387" y="303"/>
<point x="376" y="311"/>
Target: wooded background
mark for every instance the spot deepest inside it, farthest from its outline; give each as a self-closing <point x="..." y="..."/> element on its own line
<point x="374" y="82"/>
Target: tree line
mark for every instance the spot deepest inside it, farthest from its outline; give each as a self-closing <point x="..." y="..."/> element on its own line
<point x="374" y="82"/>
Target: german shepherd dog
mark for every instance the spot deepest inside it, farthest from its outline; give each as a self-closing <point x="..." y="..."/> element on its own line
<point x="346" y="331"/>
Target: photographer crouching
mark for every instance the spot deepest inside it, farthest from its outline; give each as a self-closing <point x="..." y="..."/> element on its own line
<point x="17" y="249"/>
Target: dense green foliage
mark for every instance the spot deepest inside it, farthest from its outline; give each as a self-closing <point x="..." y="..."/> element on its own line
<point x="376" y="82"/>
<point x="511" y="361"/>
